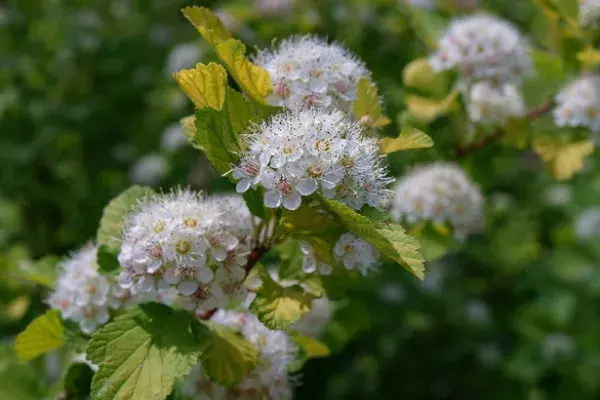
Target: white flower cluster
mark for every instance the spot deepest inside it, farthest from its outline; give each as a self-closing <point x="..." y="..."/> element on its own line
<point x="314" y="322"/>
<point x="355" y="252"/>
<point x="294" y="154"/>
<point x="308" y="71"/>
<point x="494" y="105"/>
<point x="193" y="245"/>
<point x="83" y="295"/>
<point x="420" y="4"/>
<point x="579" y="104"/>
<point x="483" y="48"/>
<point x="589" y="12"/>
<point x="439" y="192"/>
<point x="270" y="379"/>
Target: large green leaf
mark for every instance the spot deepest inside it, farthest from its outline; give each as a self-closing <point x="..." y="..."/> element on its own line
<point x="389" y="239"/>
<point x="229" y="357"/>
<point x="279" y="307"/>
<point x="108" y="236"/>
<point x="143" y="351"/>
<point x="43" y="334"/>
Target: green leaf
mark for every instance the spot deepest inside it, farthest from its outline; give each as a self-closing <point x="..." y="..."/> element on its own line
<point x="208" y="24"/>
<point x="278" y="307"/>
<point x="409" y="138"/>
<point x="291" y="257"/>
<point x="590" y="57"/>
<point x="218" y="131"/>
<point x="143" y="351"/>
<point x="427" y="110"/>
<point x="108" y="236"/>
<point x="549" y="66"/>
<point x="517" y="133"/>
<point x="78" y="381"/>
<point x="204" y="85"/>
<point x="311" y="347"/>
<point x="18" y="381"/>
<point x="367" y="106"/>
<point x="563" y="159"/>
<point x="254" y="201"/>
<point x="568" y="8"/>
<point x="43" y="334"/>
<point x="43" y="272"/>
<point x="229" y="357"/>
<point x="390" y="239"/>
<point x="420" y="75"/>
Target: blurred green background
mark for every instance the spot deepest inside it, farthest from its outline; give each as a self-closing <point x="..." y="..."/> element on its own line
<point x="88" y="106"/>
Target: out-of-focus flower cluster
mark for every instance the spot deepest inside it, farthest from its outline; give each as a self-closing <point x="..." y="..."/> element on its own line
<point x="270" y="378"/>
<point x="294" y="154"/>
<point x="193" y="245"/>
<point x="493" y="105"/>
<point x="578" y="105"/>
<point x="441" y="193"/>
<point x="83" y="295"/>
<point x="307" y="71"/>
<point x="589" y="12"/>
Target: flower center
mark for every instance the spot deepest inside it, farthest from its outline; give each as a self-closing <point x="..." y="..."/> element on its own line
<point x="315" y="171"/>
<point x="251" y="169"/>
<point x="348" y="162"/>
<point x="155" y="251"/>
<point x="322" y="145"/>
<point x="284" y="187"/>
<point x="190" y="222"/>
<point x="288" y="149"/>
<point x="349" y="248"/>
<point x="183" y="247"/>
<point x="159" y="227"/>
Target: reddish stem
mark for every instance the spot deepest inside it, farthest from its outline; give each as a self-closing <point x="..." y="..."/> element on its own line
<point x="532" y="115"/>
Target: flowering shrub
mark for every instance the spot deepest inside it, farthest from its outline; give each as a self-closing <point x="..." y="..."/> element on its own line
<point x="337" y="235"/>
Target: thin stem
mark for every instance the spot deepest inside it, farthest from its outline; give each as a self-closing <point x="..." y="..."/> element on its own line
<point x="462" y="152"/>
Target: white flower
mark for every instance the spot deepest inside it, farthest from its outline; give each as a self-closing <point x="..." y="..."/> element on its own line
<point x="149" y="170"/>
<point x="578" y="105"/>
<point x="587" y="224"/>
<point x="310" y="262"/>
<point x="494" y="105"/>
<point x="355" y="252"/>
<point x="270" y="378"/>
<point x="191" y="246"/>
<point x="307" y="71"/>
<point x="439" y="192"/>
<point x="314" y="322"/>
<point x="294" y="154"/>
<point x="173" y="138"/>
<point x="483" y="48"/>
<point x="274" y="7"/>
<point x="589" y="12"/>
<point x="183" y="56"/>
<point x="82" y="294"/>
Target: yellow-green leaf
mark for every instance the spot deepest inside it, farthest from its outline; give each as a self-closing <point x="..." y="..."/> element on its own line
<point x="590" y="57"/>
<point x="279" y="307"/>
<point x="254" y="80"/>
<point x="419" y="74"/>
<point x="229" y="357"/>
<point x="207" y="23"/>
<point x="563" y="159"/>
<point x="427" y="109"/>
<point x="311" y="347"/>
<point x="204" y="85"/>
<point x="188" y="124"/>
<point x="43" y="334"/>
<point x="548" y="66"/>
<point x="409" y="138"/>
<point x="367" y="106"/>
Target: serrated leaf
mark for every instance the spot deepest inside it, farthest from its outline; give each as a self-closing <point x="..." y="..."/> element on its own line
<point x="278" y="307"/>
<point x="108" y="236"/>
<point x="142" y="352"/>
<point x="207" y="23"/>
<point x="229" y="357"/>
<point x="254" y="80"/>
<point x="204" y="85"/>
<point x="367" y="106"/>
<point x="218" y="131"/>
<point x="410" y="138"/>
<point x="549" y="66"/>
<point x="564" y="159"/>
<point x="420" y="75"/>
<point x="590" y="57"/>
<point x="427" y="110"/>
<point x="390" y="239"/>
<point x="43" y="334"/>
<point x="311" y="347"/>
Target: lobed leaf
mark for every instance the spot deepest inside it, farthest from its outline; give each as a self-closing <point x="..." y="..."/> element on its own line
<point x="311" y="347"/>
<point x="229" y="357"/>
<point x="420" y="75"/>
<point x="410" y="138"/>
<point x="427" y="110"/>
<point x="204" y="85"/>
<point x="564" y="159"/>
<point x="142" y="352"/>
<point x="207" y="23"/>
<point x="367" y="106"/>
<point x="43" y="334"/>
